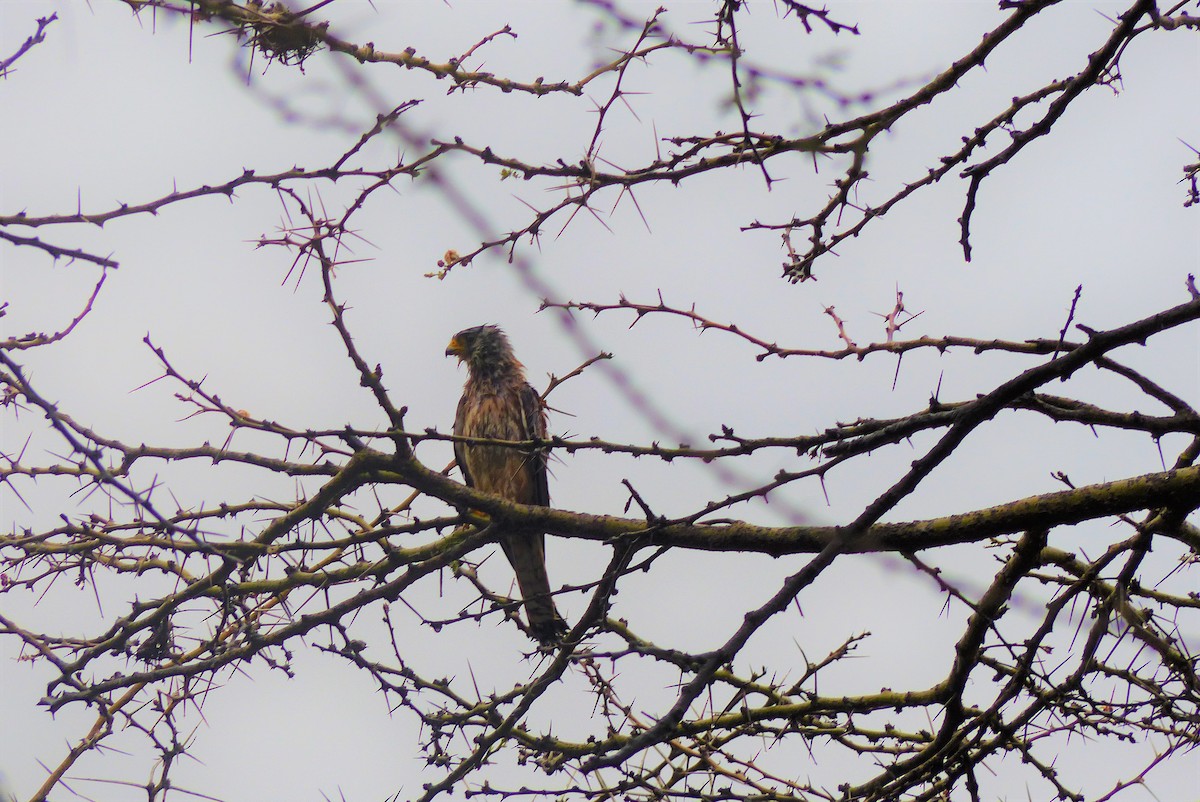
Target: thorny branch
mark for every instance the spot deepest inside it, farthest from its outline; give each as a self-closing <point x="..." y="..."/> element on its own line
<point x="33" y="41"/>
<point x="228" y="577"/>
<point x="199" y="592"/>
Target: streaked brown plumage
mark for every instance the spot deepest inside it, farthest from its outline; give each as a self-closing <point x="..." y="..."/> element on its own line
<point x="498" y="404"/>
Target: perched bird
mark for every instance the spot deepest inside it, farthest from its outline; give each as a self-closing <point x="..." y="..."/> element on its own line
<point x="498" y="404"/>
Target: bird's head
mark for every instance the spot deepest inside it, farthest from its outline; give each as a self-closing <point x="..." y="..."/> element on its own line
<point x="485" y="349"/>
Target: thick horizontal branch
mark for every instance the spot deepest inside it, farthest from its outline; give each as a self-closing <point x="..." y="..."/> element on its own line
<point x="1172" y="489"/>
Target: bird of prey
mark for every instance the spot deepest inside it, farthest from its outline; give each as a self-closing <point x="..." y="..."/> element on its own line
<point x="498" y="404"/>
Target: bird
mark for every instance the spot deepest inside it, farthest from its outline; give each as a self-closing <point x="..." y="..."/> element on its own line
<point x="499" y="404"/>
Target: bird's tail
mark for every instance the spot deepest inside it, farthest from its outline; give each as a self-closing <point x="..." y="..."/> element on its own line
<point x="527" y="553"/>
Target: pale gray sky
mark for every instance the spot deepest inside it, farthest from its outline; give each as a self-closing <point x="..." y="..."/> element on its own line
<point x="113" y="109"/>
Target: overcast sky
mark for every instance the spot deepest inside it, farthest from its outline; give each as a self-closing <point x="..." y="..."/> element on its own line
<point x="113" y="108"/>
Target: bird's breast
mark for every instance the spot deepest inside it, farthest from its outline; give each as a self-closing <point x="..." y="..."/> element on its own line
<point x="496" y="469"/>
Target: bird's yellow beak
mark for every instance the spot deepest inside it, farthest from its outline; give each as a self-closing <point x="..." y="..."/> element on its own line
<point x="456" y="348"/>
